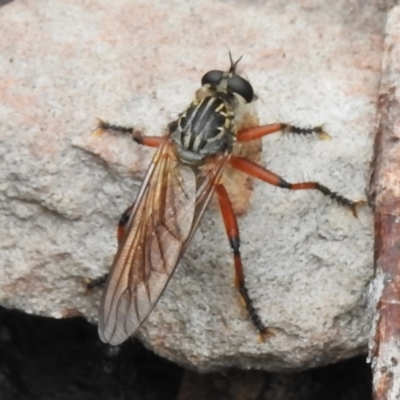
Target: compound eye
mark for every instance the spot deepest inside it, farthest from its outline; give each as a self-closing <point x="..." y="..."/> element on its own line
<point x="212" y="78"/>
<point x="238" y="85"/>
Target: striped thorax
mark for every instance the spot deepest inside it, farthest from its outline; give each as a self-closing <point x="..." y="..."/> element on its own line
<point x="208" y="126"/>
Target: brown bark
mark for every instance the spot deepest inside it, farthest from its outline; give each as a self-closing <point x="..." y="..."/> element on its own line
<point x="385" y="198"/>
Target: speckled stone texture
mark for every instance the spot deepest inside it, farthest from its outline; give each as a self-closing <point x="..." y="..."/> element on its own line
<point x="307" y="261"/>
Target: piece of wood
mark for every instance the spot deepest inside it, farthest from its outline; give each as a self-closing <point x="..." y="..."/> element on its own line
<point x="385" y="199"/>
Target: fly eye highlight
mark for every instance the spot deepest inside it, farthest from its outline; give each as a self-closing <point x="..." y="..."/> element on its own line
<point x="240" y="86"/>
<point x="212" y="78"/>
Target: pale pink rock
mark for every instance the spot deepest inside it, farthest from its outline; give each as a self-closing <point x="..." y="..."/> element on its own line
<point x="308" y="262"/>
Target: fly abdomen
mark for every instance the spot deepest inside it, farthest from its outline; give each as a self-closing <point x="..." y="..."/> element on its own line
<point x="205" y="128"/>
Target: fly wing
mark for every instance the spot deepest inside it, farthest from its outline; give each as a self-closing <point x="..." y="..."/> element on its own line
<point x="169" y="206"/>
<point x="207" y="177"/>
<point x="159" y="224"/>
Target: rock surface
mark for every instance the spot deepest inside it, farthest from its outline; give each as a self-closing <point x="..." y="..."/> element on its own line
<point x="307" y="261"/>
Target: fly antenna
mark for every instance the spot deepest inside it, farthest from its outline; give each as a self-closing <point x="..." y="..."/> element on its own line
<point x="232" y="69"/>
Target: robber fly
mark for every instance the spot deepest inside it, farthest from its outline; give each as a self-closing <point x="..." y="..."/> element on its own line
<point x="185" y="172"/>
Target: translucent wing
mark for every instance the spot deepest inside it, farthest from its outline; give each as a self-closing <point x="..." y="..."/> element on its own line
<point x="169" y="206"/>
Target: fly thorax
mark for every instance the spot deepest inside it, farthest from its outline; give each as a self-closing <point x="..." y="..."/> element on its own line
<point x="206" y="128"/>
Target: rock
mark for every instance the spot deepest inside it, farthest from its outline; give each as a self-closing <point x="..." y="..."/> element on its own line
<point x="307" y="261"/>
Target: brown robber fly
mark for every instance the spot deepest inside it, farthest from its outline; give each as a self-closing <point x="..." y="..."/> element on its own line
<point x="184" y="174"/>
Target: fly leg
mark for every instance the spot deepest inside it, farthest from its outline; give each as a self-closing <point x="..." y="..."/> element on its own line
<point x="257" y="171"/>
<point x="150" y="141"/>
<point x="122" y="224"/>
<point x="96" y="282"/>
<point x="232" y="231"/>
<point x="257" y="132"/>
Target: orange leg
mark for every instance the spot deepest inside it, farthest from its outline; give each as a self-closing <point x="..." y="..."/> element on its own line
<point x="123" y="222"/>
<point x="101" y="280"/>
<point x="259" y="172"/>
<point x="232" y="231"/>
<point x="150" y="141"/>
<point x="258" y="132"/>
